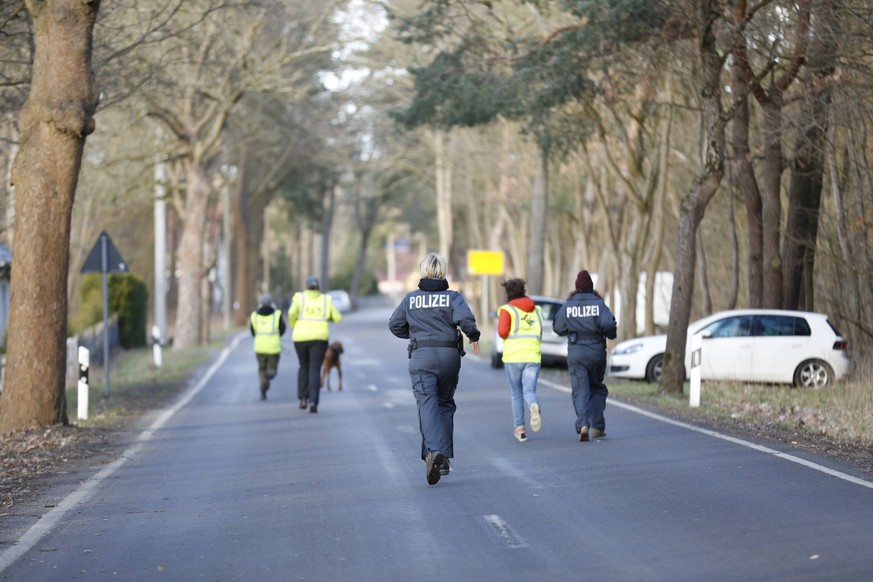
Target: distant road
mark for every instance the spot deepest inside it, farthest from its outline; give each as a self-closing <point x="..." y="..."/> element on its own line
<point x="229" y="487"/>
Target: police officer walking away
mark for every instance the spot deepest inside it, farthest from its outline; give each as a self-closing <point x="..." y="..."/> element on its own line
<point x="587" y="322"/>
<point x="430" y="318"/>
<point x="310" y="314"/>
<point x="267" y="326"/>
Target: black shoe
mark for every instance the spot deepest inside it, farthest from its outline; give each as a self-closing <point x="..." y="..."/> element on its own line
<point x="432" y="462"/>
<point x="303" y="404"/>
<point x="263" y="394"/>
<point x="313" y="408"/>
<point x="445" y="468"/>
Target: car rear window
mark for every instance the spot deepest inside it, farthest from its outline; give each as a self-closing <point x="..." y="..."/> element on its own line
<point x="781" y="325"/>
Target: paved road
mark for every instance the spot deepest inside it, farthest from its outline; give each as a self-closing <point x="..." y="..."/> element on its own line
<point x="233" y="488"/>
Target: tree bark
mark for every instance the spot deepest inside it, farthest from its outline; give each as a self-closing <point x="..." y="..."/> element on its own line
<point x="748" y="185"/>
<point x="190" y="253"/>
<point x="443" y="169"/>
<point x="329" y="200"/>
<point x="771" y="203"/>
<point x="55" y="120"/>
<point x="538" y="205"/>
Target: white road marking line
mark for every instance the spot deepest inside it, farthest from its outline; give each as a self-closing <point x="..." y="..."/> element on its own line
<point x="504" y="533"/>
<point x="50" y="519"/>
<point x="724" y="437"/>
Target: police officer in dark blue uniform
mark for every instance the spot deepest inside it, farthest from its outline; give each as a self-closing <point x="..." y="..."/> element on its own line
<point x="587" y="322"/>
<point x="430" y="318"/>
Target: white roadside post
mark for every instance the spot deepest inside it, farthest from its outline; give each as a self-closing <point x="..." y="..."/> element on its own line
<point x="694" y="392"/>
<point x="156" y="345"/>
<point x="84" y="365"/>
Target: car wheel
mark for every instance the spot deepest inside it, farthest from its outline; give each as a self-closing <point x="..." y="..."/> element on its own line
<point x="496" y="360"/>
<point x="655" y="368"/>
<point x="813" y="374"/>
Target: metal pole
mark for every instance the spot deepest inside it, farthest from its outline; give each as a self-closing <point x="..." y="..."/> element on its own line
<point x="696" y="351"/>
<point x="228" y="249"/>
<point x="485" y="317"/>
<point x="104" y="251"/>
<point x="160" y="251"/>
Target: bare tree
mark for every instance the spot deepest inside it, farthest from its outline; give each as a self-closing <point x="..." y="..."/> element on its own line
<point x="807" y="171"/>
<point x="214" y="69"/>
<point x="706" y="184"/>
<point x="771" y="99"/>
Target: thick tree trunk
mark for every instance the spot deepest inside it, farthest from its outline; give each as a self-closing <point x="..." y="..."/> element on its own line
<point x="851" y="307"/>
<point x="771" y="207"/>
<point x="444" y="169"/>
<point x="538" y="205"/>
<point x="190" y="253"/>
<point x="366" y="215"/>
<point x="329" y="201"/>
<point x="242" y="266"/>
<point x="748" y="185"/>
<point x="801" y="229"/>
<point x="55" y="120"/>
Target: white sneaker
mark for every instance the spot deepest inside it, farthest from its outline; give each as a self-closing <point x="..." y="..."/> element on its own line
<point x="519" y="434"/>
<point x="535" y="421"/>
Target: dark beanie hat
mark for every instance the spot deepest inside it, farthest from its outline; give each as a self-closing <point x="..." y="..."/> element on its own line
<point x="583" y="281"/>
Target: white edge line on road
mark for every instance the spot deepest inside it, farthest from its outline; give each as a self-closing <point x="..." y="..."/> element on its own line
<point x="45" y="524"/>
<point x="724" y="437"/>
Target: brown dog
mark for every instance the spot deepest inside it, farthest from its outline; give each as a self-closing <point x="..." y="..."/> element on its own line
<point x="332" y="360"/>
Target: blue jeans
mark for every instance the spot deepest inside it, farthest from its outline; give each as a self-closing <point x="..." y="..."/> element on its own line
<point x="523" y="381"/>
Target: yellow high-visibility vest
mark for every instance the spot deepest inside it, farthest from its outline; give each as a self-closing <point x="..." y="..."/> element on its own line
<point x="310" y="313"/>
<point x="524" y="342"/>
<point x="267" y="338"/>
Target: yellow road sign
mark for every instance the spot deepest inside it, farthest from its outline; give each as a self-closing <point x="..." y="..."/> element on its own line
<point x="485" y="262"/>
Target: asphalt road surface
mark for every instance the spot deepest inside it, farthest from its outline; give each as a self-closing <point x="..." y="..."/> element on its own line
<point x="225" y="486"/>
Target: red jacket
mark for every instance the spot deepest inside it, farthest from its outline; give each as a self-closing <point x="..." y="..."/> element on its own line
<point x="525" y="304"/>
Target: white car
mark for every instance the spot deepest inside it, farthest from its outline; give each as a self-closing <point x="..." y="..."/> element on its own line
<point x="754" y="345"/>
<point x="340" y="299"/>
<point x="554" y="347"/>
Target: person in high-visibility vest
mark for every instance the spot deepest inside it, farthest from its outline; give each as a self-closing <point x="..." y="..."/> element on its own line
<point x="521" y="327"/>
<point x="310" y="315"/>
<point x="267" y="326"/>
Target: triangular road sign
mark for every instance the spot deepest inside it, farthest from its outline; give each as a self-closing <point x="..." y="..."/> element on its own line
<point x="114" y="262"/>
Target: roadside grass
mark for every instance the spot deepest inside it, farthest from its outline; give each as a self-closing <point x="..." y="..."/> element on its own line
<point x="843" y="411"/>
<point x="136" y="385"/>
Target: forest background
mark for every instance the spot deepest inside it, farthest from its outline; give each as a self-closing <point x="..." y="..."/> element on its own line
<point x="723" y="141"/>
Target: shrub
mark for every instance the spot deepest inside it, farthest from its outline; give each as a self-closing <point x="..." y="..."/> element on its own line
<point x="128" y="299"/>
